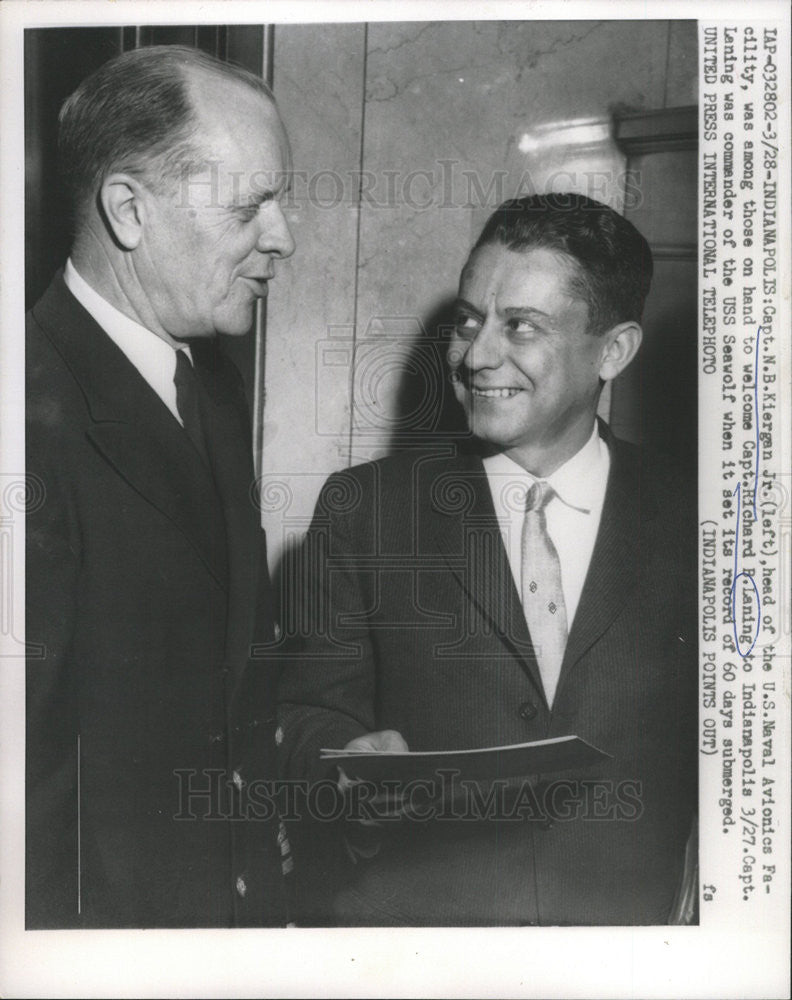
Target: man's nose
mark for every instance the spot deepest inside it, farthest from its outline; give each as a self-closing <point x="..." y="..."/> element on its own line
<point x="275" y="237"/>
<point x="485" y="350"/>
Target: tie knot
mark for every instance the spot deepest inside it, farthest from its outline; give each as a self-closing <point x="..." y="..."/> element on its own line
<point x="539" y="495"/>
<point x="185" y="374"/>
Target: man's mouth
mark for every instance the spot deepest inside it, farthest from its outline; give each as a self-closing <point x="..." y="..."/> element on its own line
<point x="497" y="393"/>
<point x="260" y="284"/>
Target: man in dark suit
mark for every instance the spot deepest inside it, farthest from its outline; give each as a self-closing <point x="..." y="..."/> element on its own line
<point x="540" y="586"/>
<point x="146" y="568"/>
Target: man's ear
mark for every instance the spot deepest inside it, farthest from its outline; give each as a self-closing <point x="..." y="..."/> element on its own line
<point x="121" y="197"/>
<point x="622" y="343"/>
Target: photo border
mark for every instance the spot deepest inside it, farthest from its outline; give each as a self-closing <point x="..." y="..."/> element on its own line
<point x="725" y="958"/>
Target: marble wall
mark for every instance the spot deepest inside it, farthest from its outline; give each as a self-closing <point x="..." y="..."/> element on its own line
<point x="404" y="137"/>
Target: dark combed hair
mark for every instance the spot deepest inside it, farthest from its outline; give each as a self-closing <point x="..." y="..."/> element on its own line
<point x="613" y="261"/>
<point x="134" y="115"/>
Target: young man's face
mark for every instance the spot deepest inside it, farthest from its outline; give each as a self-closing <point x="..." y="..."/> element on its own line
<point x="525" y="368"/>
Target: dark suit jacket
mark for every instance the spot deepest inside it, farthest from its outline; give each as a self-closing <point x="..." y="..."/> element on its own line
<point x="146" y="584"/>
<point x="423" y="632"/>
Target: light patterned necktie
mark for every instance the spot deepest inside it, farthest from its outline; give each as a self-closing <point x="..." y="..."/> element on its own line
<point x="542" y="596"/>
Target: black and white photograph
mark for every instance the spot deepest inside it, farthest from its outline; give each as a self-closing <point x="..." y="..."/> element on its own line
<point x="397" y="481"/>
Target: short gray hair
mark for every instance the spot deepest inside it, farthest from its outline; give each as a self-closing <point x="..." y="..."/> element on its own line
<point x="134" y="114"/>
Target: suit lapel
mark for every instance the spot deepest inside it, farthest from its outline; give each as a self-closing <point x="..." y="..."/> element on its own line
<point x="227" y="433"/>
<point x="132" y="428"/>
<point x="466" y="531"/>
<point x="613" y="571"/>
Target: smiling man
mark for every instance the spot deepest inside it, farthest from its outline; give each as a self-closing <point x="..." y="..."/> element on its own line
<point x="146" y="572"/>
<point x="528" y="367"/>
<point x="539" y="585"/>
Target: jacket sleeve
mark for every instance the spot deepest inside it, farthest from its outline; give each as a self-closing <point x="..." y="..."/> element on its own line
<point x="52" y="573"/>
<point x="328" y="685"/>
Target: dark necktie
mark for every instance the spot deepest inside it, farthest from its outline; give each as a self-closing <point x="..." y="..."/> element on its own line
<point x="187" y="390"/>
<point x="542" y="596"/>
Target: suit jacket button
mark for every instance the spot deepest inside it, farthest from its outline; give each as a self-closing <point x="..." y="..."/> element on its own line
<point x="527" y="711"/>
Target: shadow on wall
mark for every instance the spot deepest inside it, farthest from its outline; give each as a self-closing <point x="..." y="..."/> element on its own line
<point x="425" y="410"/>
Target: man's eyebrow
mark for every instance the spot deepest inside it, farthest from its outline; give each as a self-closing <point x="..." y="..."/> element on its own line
<point x="460" y="303"/>
<point x="510" y="311"/>
<point x="281" y="184"/>
<point x="255" y="197"/>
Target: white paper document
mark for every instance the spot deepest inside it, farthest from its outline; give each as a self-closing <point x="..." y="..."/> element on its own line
<point x="488" y="763"/>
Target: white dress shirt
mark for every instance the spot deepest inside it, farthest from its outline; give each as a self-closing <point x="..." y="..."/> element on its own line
<point x="573" y="515"/>
<point x="153" y="357"/>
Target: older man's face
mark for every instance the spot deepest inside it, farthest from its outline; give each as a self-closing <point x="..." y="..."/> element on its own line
<point x="526" y="369"/>
<point x="209" y="247"/>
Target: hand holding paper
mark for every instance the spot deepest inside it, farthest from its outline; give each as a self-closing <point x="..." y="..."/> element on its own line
<point x="383" y="741"/>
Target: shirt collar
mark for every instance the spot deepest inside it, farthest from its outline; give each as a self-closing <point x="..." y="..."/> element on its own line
<point x="153" y="357"/>
<point x="579" y="482"/>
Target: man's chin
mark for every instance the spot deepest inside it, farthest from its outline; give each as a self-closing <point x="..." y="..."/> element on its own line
<point x="237" y="327"/>
<point x="484" y="448"/>
<point x="493" y="437"/>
